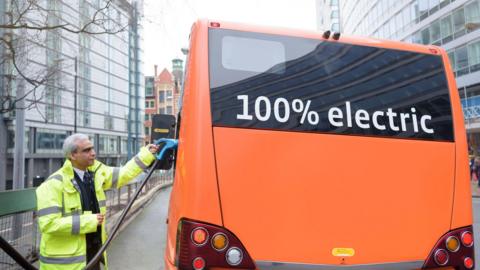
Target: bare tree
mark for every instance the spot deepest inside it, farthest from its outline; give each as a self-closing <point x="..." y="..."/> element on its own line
<point x="30" y="24"/>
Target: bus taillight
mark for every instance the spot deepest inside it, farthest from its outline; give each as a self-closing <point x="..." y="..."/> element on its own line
<point x="449" y="252"/>
<point x="202" y="246"/>
<point x="467" y="239"/>
<point x="468" y="263"/>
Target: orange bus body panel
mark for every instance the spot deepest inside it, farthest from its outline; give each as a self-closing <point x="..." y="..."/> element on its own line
<point x="462" y="206"/>
<point x="316" y="195"/>
<point x="266" y="185"/>
<point x="195" y="191"/>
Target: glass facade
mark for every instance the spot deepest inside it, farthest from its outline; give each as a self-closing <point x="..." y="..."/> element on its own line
<point x="100" y="71"/>
<point x="136" y="83"/>
<point x="397" y="19"/>
<point x="108" y="144"/>
<point x="451" y="24"/>
<point x="49" y="140"/>
<point x="328" y="15"/>
<point x="102" y="68"/>
<point x="466" y="58"/>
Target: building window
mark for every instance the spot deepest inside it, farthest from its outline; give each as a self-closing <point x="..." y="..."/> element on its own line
<point x="435" y="33"/>
<point x="451" y="56"/>
<point x="417" y="38"/>
<point x="461" y="63"/>
<point x="147" y="104"/>
<point x="426" y="36"/>
<point x="169" y="110"/>
<point x="147" y="117"/>
<point x="399" y="22"/>
<point x="162" y="111"/>
<point x="148" y="91"/>
<point x="423" y="8"/>
<point x="474" y="56"/>
<point x="48" y="141"/>
<point x="335" y="27"/>
<point x="459" y="23"/>
<point x="472" y="16"/>
<point x="108" y="123"/>
<point x="161" y="96"/>
<point x="433" y="5"/>
<point x="444" y="3"/>
<point x="11" y="140"/>
<point x="147" y="131"/>
<point x="446" y="29"/>
<point x="108" y="144"/>
<point x="169" y="94"/>
<point x="49" y="113"/>
<point x="152" y="104"/>
<point x="123" y="146"/>
<point x="334" y="14"/>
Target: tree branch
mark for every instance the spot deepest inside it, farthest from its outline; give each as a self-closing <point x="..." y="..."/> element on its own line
<point x="37" y="16"/>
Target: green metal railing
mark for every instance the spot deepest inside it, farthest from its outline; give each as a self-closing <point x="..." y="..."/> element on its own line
<point x="18" y="223"/>
<point x="17" y="201"/>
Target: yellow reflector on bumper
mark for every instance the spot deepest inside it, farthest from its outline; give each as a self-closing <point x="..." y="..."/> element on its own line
<point x="343" y="252"/>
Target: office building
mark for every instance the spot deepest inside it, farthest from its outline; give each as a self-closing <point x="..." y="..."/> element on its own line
<point x="452" y="24"/>
<point x="95" y="87"/>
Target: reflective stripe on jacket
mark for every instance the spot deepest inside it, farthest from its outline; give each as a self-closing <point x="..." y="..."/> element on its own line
<point x="62" y="221"/>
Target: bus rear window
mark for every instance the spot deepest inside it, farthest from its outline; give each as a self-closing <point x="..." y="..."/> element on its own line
<point x="275" y="82"/>
<point x="254" y="55"/>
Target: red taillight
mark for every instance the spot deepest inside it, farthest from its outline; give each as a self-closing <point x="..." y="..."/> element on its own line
<point x="215" y="24"/>
<point x="198" y="263"/>
<point x="454" y="249"/>
<point x="467" y="239"/>
<point x="441" y="257"/>
<point x="199" y="236"/>
<point x="468" y="263"/>
<point x="224" y="251"/>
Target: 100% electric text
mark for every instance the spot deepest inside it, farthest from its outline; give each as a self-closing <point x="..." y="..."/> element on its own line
<point x="263" y="109"/>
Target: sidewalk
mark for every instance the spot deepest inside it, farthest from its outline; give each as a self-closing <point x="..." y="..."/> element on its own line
<point x="137" y="207"/>
<point x="141" y="246"/>
<point x="475" y="189"/>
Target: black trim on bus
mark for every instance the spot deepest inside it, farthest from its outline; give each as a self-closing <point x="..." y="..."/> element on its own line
<point x="331" y="87"/>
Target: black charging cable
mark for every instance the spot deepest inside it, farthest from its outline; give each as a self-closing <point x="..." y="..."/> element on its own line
<point x="102" y="249"/>
<point x="25" y="264"/>
<point x="165" y="145"/>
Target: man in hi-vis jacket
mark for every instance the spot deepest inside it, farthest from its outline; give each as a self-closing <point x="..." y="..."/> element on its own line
<point x="71" y="204"/>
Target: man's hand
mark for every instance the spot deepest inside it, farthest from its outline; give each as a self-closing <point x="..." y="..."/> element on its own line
<point x="153" y="148"/>
<point x="100" y="218"/>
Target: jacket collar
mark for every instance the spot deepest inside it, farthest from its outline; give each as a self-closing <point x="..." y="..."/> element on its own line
<point x="68" y="176"/>
<point x="67" y="171"/>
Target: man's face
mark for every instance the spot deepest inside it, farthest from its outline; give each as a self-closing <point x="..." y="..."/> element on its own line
<point x="84" y="156"/>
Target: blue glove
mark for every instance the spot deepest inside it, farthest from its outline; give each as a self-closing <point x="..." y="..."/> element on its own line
<point x="165" y="144"/>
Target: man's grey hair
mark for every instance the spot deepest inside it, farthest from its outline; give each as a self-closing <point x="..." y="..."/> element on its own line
<point x="70" y="143"/>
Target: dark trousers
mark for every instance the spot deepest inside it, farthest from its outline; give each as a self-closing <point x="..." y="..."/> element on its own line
<point x="94" y="243"/>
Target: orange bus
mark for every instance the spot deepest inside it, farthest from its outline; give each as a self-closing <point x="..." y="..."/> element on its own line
<point x="300" y="150"/>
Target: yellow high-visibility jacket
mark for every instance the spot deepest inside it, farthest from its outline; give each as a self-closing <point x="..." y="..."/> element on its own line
<point x="62" y="221"/>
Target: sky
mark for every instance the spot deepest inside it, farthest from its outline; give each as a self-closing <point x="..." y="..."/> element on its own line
<point x="167" y="23"/>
